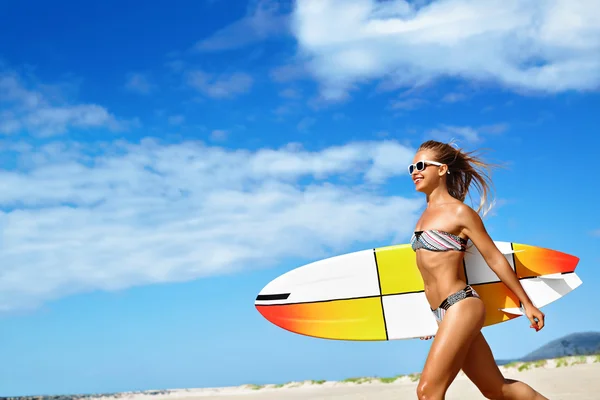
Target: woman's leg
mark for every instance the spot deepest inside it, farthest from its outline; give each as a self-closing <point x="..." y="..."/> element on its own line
<point x="461" y="323"/>
<point x="481" y="368"/>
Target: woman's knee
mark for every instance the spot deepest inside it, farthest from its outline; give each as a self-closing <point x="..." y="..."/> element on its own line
<point x="426" y="390"/>
<point x="422" y="389"/>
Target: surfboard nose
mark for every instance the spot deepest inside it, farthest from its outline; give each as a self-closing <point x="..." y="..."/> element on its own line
<point x="338" y="298"/>
<point x="345" y="319"/>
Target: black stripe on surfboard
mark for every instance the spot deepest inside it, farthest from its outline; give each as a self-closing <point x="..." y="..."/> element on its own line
<point x="278" y="296"/>
<point x="319" y="301"/>
<point x="380" y="294"/>
<point x="340" y="299"/>
<point x="513" y="258"/>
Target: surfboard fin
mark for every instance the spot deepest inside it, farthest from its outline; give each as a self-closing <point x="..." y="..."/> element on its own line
<point x="512" y="311"/>
<point x="551" y="276"/>
<point x="512" y="251"/>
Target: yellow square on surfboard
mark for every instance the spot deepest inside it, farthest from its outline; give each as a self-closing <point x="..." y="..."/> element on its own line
<point x="398" y="272"/>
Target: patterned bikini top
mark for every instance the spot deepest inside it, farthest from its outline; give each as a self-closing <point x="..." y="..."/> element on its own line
<point x="437" y="240"/>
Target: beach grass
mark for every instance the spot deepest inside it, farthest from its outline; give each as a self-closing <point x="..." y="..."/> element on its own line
<point x="517" y="366"/>
<point x="390" y="379"/>
<point x="520" y="366"/>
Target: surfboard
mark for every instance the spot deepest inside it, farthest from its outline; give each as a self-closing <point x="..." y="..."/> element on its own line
<point x="378" y="294"/>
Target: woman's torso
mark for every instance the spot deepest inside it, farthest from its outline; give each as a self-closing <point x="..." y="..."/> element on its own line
<point x="441" y="270"/>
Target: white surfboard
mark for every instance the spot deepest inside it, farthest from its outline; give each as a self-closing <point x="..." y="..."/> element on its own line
<point x="378" y="294"/>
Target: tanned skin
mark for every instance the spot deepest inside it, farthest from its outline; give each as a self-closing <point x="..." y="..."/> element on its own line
<point x="459" y="343"/>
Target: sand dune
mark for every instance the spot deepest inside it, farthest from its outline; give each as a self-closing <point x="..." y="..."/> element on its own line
<point x="566" y="378"/>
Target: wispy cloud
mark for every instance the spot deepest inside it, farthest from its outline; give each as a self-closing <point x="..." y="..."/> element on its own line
<point x="447" y="133"/>
<point x="467" y="133"/>
<point x="306" y="123"/>
<point x="547" y="46"/>
<point x="288" y="72"/>
<point x="408" y="104"/>
<point x="454" y="97"/>
<point x="494" y="129"/>
<point x="139" y="83"/>
<point x="290" y="93"/>
<point x="28" y="109"/>
<point x="264" y="20"/>
<point x="81" y="217"/>
<point x="218" y="135"/>
<point x="176" y="119"/>
<point x="220" y="86"/>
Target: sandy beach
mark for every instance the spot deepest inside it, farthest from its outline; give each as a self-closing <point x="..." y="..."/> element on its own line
<point x="566" y="378"/>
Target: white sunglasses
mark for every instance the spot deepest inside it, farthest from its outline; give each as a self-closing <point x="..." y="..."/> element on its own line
<point x="420" y="165"/>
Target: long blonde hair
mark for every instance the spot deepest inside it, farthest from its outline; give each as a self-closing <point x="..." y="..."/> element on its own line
<point x="465" y="169"/>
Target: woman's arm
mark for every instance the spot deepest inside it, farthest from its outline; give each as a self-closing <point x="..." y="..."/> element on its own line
<point x="473" y="227"/>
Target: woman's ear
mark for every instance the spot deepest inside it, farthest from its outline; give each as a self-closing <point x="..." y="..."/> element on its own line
<point x="443" y="170"/>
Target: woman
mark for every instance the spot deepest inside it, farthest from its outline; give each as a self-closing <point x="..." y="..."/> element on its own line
<point x="445" y="174"/>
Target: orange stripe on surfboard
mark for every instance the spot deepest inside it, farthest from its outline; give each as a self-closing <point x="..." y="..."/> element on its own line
<point x="349" y="319"/>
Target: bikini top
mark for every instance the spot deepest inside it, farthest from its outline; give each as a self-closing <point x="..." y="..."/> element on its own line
<point x="437" y="240"/>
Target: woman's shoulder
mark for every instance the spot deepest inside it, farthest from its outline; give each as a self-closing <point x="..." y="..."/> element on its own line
<point x="459" y="209"/>
<point x="467" y="216"/>
<point x="463" y="208"/>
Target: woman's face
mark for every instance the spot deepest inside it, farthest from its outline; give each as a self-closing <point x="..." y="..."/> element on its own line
<point x="428" y="178"/>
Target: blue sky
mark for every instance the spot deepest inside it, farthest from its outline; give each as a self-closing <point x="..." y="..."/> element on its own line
<point x="161" y="164"/>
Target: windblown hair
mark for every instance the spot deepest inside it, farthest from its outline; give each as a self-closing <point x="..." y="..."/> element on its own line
<point x="465" y="169"/>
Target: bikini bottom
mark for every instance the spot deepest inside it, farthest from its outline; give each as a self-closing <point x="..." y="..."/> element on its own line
<point x="454" y="298"/>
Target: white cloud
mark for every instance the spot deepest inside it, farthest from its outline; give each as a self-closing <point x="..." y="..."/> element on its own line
<point x="176" y="119"/>
<point x="78" y="217"/>
<point x="139" y="83"/>
<point x="262" y="21"/>
<point x="547" y="45"/>
<point x="447" y="133"/>
<point x="288" y="72"/>
<point x="454" y="97"/>
<point x="219" y="135"/>
<point x="306" y="123"/>
<point x="494" y="129"/>
<point x="407" y="104"/>
<point x="220" y="86"/>
<point x="470" y="134"/>
<point x="28" y="109"/>
<point x="290" y="93"/>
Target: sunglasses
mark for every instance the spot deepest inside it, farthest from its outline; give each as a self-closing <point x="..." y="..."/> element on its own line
<point x="421" y="165"/>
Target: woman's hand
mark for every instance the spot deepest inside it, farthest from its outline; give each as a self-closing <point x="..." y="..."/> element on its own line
<point x="535" y="316"/>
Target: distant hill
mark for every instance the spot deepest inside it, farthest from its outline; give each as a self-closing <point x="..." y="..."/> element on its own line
<point x="574" y="344"/>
